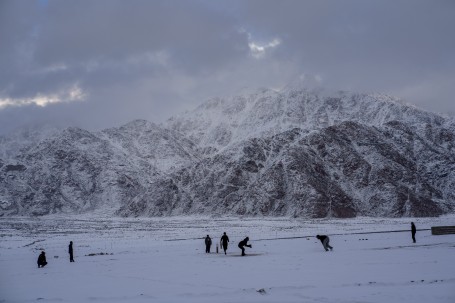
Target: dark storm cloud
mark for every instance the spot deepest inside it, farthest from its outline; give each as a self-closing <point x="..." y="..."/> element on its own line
<point x="366" y="45"/>
<point x="116" y="30"/>
<point x="101" y="39"/>
<point x="107" y="62"/>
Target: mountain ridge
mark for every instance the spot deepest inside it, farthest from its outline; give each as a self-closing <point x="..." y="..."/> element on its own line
<point x="295" y="152"/>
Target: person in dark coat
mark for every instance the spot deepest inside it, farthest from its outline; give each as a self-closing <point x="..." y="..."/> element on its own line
<point x="413" y="232"/>
<point x="208" y="243"/>
<point x="42" y="259"/>
<point x="244" y="243"/>
<point x="224" y="242"/>
<point x="70" y="251"/>
<point x="325" y="242"/>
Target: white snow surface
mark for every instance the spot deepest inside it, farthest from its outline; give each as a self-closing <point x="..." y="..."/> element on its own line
<point x="285" y="264"/>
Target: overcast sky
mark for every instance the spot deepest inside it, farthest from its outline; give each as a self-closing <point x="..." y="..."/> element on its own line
<point x="97" y="64"/>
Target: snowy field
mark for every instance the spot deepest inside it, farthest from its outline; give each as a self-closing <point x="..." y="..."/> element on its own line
<point x="286" y="263"/>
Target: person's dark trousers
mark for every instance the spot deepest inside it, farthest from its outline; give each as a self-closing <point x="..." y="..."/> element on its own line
<point x="414" y="237"/>
<point x="207" y="249"/>
<point x="71" y="257"/>
<point x="243" y="250"/>
<point x="42" y="264"/>
<point x="326" y="244"/>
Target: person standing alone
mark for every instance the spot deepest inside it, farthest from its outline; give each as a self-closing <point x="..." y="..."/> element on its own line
<point x="413" y="232"/>
<point x="224" y="242"/>
<point x="70" y="251"/>
<point x="208" y="243"/>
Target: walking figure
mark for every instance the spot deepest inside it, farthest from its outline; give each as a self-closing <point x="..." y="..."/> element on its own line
<point x="325" y="242"/>
<point x="208" y="243"/>
<point x="42" y="259"/>
<point x="413" y="232"/>
<point x="70" y="251"/>
<point x="244" y="243"/>
<point x="224" y="242"/>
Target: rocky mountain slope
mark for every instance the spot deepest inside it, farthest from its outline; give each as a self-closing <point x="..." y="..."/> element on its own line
<point x="12" y="144"/>
<point x="219" y="122"/>
<point x="340" y="171"/>
<point x="78" y="171"/>
<point x="293" y="153"/>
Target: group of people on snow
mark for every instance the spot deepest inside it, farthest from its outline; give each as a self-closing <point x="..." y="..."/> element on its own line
<point x="224" y="241"/>
<point x="42" y="256"/>
<point x="325" y="240"/>
<point x="224" y="244"/>
<point x="244" y="243"/>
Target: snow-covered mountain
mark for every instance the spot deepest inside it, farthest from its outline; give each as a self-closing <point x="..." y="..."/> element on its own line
<point x="13" y="143"/>
<point x="290" y="153"/>
<point x="219" y="122"/>
<point x="79" y="171"/>
<point x="163" y="148"/>
<point x="342" y="171"/>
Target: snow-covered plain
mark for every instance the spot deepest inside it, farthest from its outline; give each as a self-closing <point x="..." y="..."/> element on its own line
<point x="285" y="264"/>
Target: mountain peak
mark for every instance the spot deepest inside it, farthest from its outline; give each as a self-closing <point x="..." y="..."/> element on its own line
<point x="299" y="152"/>
<point x="139" y="124"/>
<point x="304" y="83"/>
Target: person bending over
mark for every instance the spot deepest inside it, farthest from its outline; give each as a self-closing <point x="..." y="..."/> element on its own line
<point x="325" y="242"/>
<point x="42" y="259"/>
